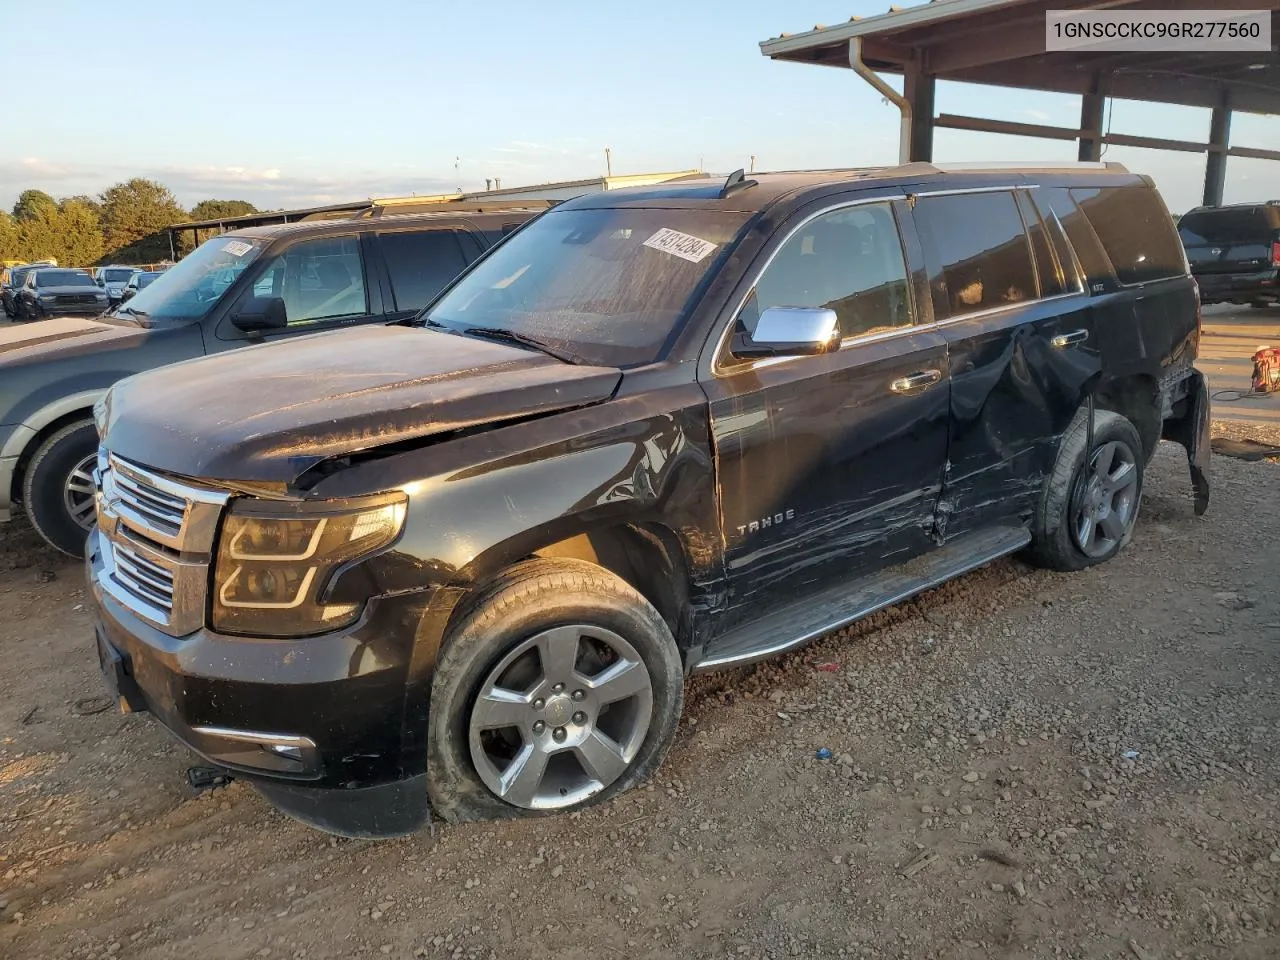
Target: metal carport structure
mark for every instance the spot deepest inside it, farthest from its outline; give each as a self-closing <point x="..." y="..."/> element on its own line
<point x="1002" y="43"/>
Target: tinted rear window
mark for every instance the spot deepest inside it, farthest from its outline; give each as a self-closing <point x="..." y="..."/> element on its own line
<point x="1249" y="224"/>
<point x="978" y="240"/>
<point x="421" y="264"/>
<point x="1135" y="230"/>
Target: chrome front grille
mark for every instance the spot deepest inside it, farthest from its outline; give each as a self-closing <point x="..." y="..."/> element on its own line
<point x="147" y="580"/>
<point x="163" y="511"/>
<point x="156" y="539"/>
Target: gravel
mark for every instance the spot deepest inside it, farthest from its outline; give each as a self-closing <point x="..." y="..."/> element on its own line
<point x="1023" y="765"/>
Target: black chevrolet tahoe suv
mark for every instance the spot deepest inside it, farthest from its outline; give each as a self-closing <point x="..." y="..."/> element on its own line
<point x="466" y="563"/>
<point x="1235" y="252"/>
<point x="265" y="283"/>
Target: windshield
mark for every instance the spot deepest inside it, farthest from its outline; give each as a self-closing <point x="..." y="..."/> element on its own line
<point x="63" y="278"/>
<point x="117" y="276"/>
<point x="190" y="288"/>
<point x="146" y="279"/>
<point x="608" y="287"/>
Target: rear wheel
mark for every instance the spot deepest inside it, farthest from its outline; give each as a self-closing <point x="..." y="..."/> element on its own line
<point x="58" y="488"/>
<point x="562" y="687"/>
<point x="1260" y="304"/>
<point x="1090" y="503"/>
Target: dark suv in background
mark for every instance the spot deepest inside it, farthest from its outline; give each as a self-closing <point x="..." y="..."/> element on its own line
<point x="658" y="430"/>
<point x="261" y="285"/>
<point x="59" y="291"/>
<point x="1234" y="252"/>
<point x="16" y="277"/>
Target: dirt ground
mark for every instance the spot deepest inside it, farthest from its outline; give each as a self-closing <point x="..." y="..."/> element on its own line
<point x="1024" y="765"/>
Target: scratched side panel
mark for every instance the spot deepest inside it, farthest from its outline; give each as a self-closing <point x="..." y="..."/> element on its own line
<point x="1013" y="395"/>
<point x="824" y="472"/>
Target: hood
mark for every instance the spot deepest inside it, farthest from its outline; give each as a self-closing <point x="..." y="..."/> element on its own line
<point x="268" y="413"/>
<point x="24" y="342"/>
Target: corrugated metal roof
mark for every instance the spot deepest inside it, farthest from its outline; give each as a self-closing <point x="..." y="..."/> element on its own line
<point x="897" y="18"/>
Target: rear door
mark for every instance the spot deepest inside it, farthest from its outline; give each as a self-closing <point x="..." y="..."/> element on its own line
<point x="1230" y="239"/>
<point x="1015" y="314"/>
<point x="419" y="263"/>
<point x="1150" y="272"/>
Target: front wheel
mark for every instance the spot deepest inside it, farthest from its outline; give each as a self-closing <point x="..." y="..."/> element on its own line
<point x="1090" y="503"/>
<point x="58" y="488"/>
<point x="561" y="688"/>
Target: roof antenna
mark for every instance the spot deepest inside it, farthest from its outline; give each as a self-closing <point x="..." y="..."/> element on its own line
<point x="736" y="181"/>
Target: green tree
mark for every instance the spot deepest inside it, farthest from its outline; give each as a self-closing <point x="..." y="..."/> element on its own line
<point x="134" y="215"/>
<point x="34" y="204"/>
<point x="79" y="233"/>
<point x="10" y="243"/>
<point x="220" y="209"/>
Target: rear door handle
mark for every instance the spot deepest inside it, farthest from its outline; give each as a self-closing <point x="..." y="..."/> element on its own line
<point x="1070" y="339"/>
<point x="916" y="381"/>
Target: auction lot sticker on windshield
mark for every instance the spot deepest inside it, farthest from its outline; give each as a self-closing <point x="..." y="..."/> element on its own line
<point x="680" y="245"/>
<point x="237" y="248"/>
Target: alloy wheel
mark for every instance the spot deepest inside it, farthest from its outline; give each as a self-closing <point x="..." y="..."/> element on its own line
<point x="1107" y="500"/>
<point x="560" y="717"/>
<point x="78" y="493"/>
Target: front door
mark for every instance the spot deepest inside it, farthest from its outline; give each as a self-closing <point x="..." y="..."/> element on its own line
<point x="829" y="466"/>
<point x="325" y="285"/>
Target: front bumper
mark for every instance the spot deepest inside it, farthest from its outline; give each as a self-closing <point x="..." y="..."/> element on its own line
<point x="74" y="309"/>
<point x="316" y="724"/>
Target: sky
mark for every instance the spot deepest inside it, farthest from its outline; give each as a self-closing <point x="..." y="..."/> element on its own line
<point x="288" y="103"/>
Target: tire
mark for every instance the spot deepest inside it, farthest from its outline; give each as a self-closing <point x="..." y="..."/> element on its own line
<point x="521" y="606"/>
<point x="1260" y="304"/>
<point x="1056" y="541"/>
<point x="45" y="486"/>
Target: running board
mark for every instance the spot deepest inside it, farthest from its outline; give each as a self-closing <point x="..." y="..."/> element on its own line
<point x="843" y="603"/>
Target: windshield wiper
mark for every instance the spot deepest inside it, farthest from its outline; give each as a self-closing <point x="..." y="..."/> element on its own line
<point x="520" y="339"/>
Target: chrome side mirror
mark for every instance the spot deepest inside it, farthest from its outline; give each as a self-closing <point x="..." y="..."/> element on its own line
<point x="791" y="332"/>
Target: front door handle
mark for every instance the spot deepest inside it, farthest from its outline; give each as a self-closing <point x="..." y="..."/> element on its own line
<point x="1063" y="340"/>
<point x="916" y="381"/>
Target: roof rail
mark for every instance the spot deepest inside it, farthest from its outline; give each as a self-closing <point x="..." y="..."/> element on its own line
<point x="1109" y="166"/>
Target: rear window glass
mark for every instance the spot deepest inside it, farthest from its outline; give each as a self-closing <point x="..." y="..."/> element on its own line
<point x="1135" y="230"/>
<point x="978" y="240"/>
<point x="421" y="264"/>
<point x="117" y="276"/>
<point x="1226" y="226"/>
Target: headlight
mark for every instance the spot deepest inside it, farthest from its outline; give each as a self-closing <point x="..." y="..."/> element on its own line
<point x="275" y="562"/>
<point x="101" y="296"/>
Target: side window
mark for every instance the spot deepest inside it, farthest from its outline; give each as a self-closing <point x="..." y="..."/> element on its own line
<point x="1058" y="209"/>
<point x="978" y="241"/>
<point x="1135" y="230"/>
<point x="1049" y="269"/>
<point x="849" y="261"/>
<point x="321" y="279"/>
<point x="421" y="264"/>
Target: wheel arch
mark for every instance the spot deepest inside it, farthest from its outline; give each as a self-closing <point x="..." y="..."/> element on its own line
<point x="1137" y="398"/>
<point x="48" y="421"/>
<point x="647" y="555"/>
